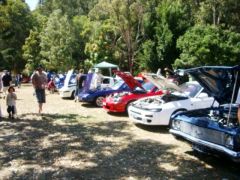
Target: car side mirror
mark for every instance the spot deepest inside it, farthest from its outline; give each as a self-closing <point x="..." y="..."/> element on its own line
<point x="203" y="95"/>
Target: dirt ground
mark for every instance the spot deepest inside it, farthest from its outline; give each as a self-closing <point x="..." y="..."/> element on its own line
<point x="79" y="141"/>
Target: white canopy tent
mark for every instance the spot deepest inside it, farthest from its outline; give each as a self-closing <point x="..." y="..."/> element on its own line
<point x="106" y="65"/>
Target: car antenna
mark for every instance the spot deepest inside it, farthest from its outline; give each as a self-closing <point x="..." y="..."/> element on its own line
<point x="234" y="89"/>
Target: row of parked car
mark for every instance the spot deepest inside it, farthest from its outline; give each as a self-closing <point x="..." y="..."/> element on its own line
<point x="201" y="111"/>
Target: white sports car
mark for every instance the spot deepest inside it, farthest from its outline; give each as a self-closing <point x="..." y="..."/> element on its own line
<point x="157" y="110"/>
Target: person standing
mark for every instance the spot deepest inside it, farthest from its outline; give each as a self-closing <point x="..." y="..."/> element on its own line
<point x="98" y="79"/>
<point x="18" y="80"/>
<point x="6" y="80"/>
<point x="39" y="82"/>
<point x="79" y="83"/>
<point x="11" y="102"/>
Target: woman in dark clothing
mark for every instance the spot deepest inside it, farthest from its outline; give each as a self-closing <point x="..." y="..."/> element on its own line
<point x="80" y="78"/>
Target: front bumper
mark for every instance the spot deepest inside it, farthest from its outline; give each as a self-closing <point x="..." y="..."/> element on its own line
<point x="114" y="107"/>
<point x="65" y="94"/>
<point x="145" y="117"/>
<point x="86" y="97"/>
<point x="232" y="154"/>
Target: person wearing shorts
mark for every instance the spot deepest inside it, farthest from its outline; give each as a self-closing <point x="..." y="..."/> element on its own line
<point x="39" y="81"/>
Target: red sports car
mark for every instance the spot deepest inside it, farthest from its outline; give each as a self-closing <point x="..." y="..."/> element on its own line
<point x="118" y="102"/>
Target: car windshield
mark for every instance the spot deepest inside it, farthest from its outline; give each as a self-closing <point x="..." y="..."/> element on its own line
<point x="190" y="89"/>
<point x="117" y="85"/>
<point x="147" y="86"/>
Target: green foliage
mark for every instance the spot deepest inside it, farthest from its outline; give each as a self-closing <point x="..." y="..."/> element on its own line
<point x="102" y="46"/>
<point x="31" y="51"/>
<point x="224" y="13"/>
<point x="208" y="45"/>
<point x="131" y="33"/>
<point x="81" y="28"/>
<point x="118" y="32"/>
<point x="144" y="56"/>
<point x="57" y="42"/>
<point x="170" y="21"/>
<point x="15" y="23"/>
<point x="70" y="7"/>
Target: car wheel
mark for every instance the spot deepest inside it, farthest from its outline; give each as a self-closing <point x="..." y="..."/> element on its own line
<point x="99" y="101"/>
<point x="72" y="95"/>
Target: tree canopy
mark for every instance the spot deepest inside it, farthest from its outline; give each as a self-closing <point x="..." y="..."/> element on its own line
<point x="135" y="34"/>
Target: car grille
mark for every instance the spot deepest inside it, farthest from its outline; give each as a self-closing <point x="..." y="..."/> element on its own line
<point x="209" y="135"/>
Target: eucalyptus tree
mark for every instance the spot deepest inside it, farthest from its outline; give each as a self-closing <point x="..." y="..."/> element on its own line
<point x="164" y="25"/>
<point x="224" y="13"/>
<point x="15" y="24"/>
<point x="70" y="7"/>
<point x="57" y="42"/>
<point x="31" y="49"/>
<point x="82" y="30"/>
<point x="123" y="38"/>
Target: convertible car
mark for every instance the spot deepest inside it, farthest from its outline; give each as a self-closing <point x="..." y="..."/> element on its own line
<point x="127" y="84"/>
<point x="157" y="110"/>
<point x="216" y="129"/>
<point x="119" y="102"/>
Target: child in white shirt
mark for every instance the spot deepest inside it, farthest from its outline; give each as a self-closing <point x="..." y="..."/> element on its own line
<point x="11" y="102"/>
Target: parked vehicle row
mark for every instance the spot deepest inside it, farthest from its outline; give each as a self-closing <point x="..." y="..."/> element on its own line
<point x="201" y="111"/>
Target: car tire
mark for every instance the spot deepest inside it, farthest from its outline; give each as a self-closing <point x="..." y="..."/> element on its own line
<point x="98" y="101"/>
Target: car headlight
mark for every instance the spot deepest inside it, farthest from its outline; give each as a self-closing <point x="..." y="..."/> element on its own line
<point x="229" y="141"/>
<point x="176" y="124"/>
<point x="155" y="110"/>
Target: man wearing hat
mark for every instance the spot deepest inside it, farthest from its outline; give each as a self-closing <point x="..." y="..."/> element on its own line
<point x="39" y="81"/>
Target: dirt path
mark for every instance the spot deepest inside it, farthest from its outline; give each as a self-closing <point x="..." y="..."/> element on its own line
<point x="79" y="141"/>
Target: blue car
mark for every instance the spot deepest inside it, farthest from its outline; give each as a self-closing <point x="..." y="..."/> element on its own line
<point x="213" y="130"/>
<point x="128" y="83"/>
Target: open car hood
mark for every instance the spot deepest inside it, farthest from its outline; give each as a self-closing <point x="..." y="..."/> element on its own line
<point x="87" y="82"/>
<point x="161" y="82"/>
<point x="128" y="79"/>
<point x="218" y="81"/>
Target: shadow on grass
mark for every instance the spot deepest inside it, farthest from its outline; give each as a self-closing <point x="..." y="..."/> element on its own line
<point x="118" y="114"/>
<point x="89" y="105"/>
<point x="160" y="129"/>
<point x="100" y="150"/>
